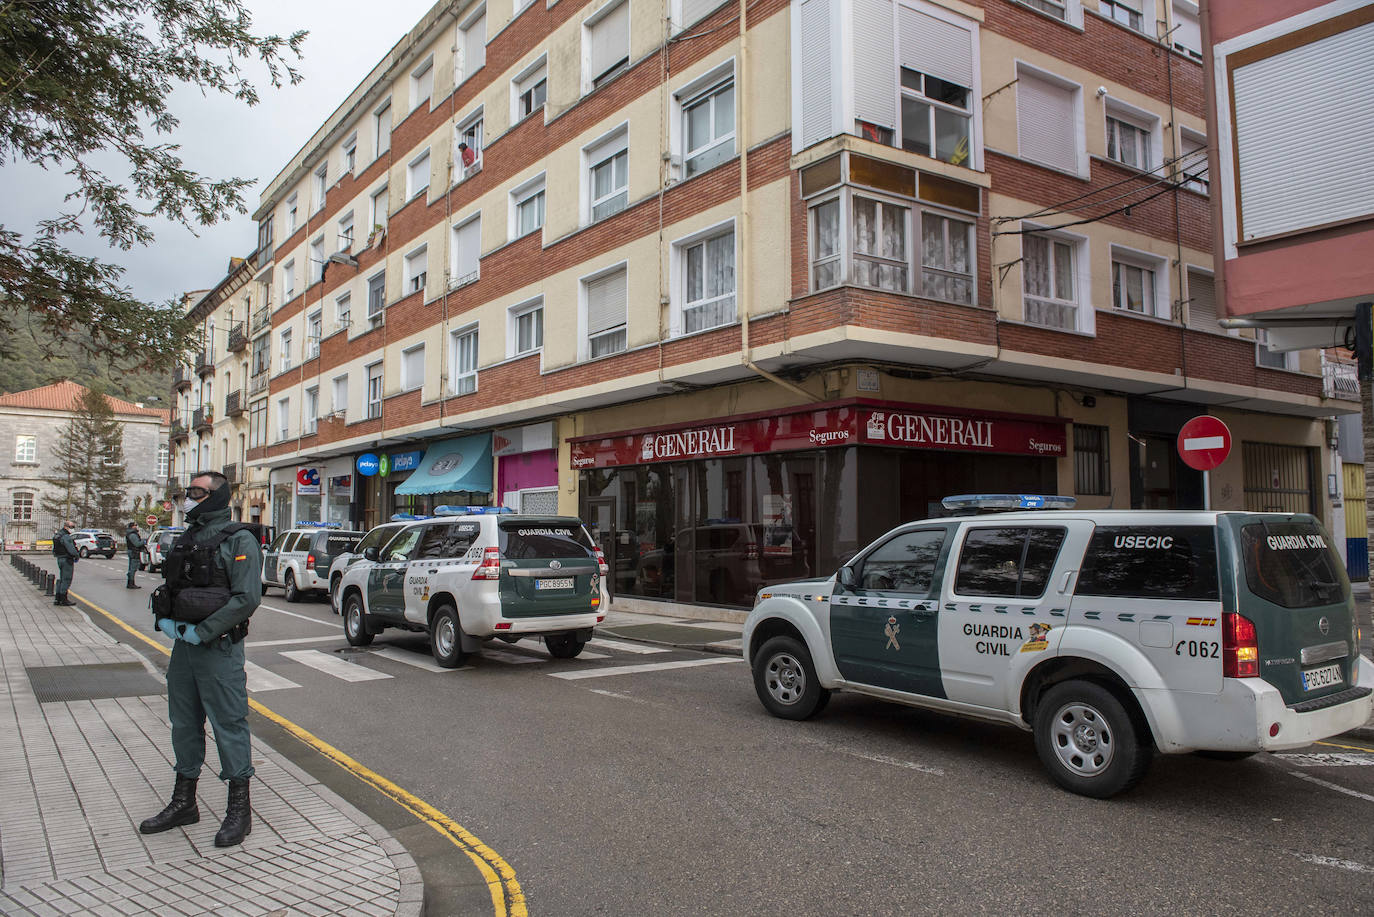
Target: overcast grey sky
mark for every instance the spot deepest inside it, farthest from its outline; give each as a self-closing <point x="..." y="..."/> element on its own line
<point x="222" y="138"/>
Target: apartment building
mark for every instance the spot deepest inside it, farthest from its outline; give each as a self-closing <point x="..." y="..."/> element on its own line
<point x="744" y="286"/>
<point x="210" y="418"/>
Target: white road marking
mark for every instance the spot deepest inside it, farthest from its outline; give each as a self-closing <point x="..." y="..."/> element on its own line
<point x="1333" y="786"/>
<point x="511" y="658"/>
<point x="260" y="679"/>
<point x="283" y="611"/>
<point x="1328" y="759"/>
<point x="293" y="640"/>
<point x="420" y="662"/>
<point x="895" y="762"/>
<point x="333" y="665"/>
<point x="1334" y="861"/>
<point x="644" y="667"/>
<point x="637" y="648"/>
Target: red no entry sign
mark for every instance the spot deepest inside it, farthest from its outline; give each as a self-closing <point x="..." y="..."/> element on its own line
<point x="1204" y="442"/>
<point x="151" y="520"/>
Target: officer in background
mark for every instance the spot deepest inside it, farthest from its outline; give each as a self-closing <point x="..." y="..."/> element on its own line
<point x="213" y="585"/>
<point x="65" y="550"/>
<point x="133" y="543"/>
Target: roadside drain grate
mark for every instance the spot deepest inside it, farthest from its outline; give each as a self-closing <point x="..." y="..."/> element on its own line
<point x="92" y="682"/>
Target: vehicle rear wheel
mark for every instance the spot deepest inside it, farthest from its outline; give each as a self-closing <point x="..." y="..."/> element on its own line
<point x="289" y="588"/>
<point x="786" y="681"/>
<point x="355" y="622"/>
<point x="334" y="594"/>
<point x="1088" y="740"/>
<point x="84" y="552"/>
<point x="563" y="646"/>
<point x="444" y="638"/>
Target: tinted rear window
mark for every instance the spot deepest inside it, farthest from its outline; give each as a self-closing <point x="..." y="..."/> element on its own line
<point x="1291" y="564"/>
<point x="1008" y="562"/>
<point x="1151" y="562"/>
<point x="339" y="543"/>
<point x="533" y="541"/>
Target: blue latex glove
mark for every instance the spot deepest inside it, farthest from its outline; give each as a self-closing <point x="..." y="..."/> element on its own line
<point x="168" y="627"/>
<point x="187" y="634"/>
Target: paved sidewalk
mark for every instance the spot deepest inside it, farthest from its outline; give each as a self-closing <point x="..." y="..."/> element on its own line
<point x="86" y="756"/>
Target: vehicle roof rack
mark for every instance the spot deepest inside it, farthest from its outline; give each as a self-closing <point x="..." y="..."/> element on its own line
<point x="971" y="504"/>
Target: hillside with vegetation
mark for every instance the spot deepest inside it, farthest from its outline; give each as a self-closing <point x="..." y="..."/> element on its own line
<point x="27" y="368"/>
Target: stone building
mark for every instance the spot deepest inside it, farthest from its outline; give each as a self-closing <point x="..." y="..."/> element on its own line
<point x="31" y="423"/>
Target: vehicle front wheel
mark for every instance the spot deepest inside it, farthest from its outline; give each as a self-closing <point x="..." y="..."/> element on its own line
<point x="563" y="646"/>
<point x="289" y="588"/>
<point x="444" y="638"/>
<point x="83" y="552"/>
<point x="355" y="622"/>
<point x="334" y="594"/>
<point x="786" y="681"/>
<point x="1088" y="740"/>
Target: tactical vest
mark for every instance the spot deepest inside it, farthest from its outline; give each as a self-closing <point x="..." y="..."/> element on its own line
<point x="199" y="586"/>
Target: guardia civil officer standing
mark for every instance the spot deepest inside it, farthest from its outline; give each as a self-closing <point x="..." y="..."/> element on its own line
<point x="133" y="543"/>
<point x="65" y="550"/>
<point x="213" y="586"/>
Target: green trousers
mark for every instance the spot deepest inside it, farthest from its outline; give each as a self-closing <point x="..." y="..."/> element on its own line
<point x="133" y="566"/>
<point x="209" y="681"/>
<point x="64" y="575"/>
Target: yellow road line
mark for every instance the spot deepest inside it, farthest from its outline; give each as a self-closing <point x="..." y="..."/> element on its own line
<point x="1350" y="747"/>
<point x="507" y="898"/>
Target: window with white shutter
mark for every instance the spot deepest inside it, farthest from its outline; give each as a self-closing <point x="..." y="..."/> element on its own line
<point x="606" y="298"/>
<point x="413" y="367"/>
<point x="416" y="270"/>
<point x="422" y="83"/>
<point x="417" y="175"/>
<point x="1187" y="30"/>
<point x="1202" y="301"/>
<point x="381" y="128"/>
<point x="376" y="298"/>
<point x="474" y="45"/>
<point x="875" y="64"/>
<point x="527" y="208"/>
<point x="1047" y="123"/>
<point x="529" y="91"/>
<point x="690" y="12"/>
<point x="467" y="245"/>
<point x="607" y="44"/>
<point x="813" y="53"/>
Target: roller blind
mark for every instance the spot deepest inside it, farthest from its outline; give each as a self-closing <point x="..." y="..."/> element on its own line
<point x="1302" y="128"/>
<point x="935" y="46"/>
<point x="1046" y="126"/>
<point x="606" y="298"/>
<point x="1202" y="302"/>
<point x="817" y="120"/>
<point x="695" y="10"/>
<point x="475" y="45"/>
<point x="610" y="40"/>
<point x="467" y="245"/>
<point x="875" y="63"/>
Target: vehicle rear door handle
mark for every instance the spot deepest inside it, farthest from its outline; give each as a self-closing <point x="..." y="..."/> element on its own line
<point x="1068" y="577"/>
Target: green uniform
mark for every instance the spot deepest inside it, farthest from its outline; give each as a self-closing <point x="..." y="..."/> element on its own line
<point x="133" y="543"/>
<point x="66" y="559"/>
<point x="208" y="680"/>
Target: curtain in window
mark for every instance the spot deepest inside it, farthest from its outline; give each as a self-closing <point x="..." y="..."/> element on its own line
<point x="826" y="245"/>
<point x="710" y="284"/>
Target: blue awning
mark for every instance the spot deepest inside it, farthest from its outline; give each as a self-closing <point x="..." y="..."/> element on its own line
<point x="453" y="465"/>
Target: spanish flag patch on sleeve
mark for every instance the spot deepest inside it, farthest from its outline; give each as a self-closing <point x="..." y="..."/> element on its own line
<point x="241" y="557"/>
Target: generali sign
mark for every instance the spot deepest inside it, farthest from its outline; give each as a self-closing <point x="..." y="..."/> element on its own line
<point x="843" y="424"/>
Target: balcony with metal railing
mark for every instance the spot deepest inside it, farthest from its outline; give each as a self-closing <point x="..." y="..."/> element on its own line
<point x="233" y="473"/>
<point x="181" y="378"/>
<point x="202" y="419"/>
<point x="262" y="320"/>
<point x="1339" y="379"/>
<point x="205" y="363"/>
<point x="233" y="403"/>
<point x="179" y="431"/>
<point x="238" y="337"/>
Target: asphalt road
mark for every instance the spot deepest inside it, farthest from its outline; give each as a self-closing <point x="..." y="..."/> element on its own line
<point x="671" y="791"/>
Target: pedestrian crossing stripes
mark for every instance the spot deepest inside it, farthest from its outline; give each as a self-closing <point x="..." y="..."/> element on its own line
<point x="354" y="666"/>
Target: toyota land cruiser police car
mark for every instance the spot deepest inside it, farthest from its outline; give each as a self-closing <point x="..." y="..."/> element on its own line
<point x="474" y="573"/>
<point x="1109" y="634"/>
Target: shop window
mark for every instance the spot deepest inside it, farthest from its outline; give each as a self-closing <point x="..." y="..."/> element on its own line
<point x="1092" y="470"/>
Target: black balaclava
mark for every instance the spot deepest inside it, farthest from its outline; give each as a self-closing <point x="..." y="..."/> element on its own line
<point x="218" y="499"/>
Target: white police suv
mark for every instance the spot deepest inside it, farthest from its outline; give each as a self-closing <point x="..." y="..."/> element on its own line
<point x="471" y="574"/>
<point x="1109" y="634"/>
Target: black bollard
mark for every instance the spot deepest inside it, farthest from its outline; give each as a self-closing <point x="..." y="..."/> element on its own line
<point x="49" y="584"/>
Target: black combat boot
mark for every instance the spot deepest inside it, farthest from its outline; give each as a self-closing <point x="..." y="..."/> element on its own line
<point x="63" y="600"/>
<point x="182" y="810"/>
<point x="238" y="815"/>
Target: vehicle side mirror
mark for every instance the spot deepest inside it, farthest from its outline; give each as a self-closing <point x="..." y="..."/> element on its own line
<point x="370" y="554"/>
<point x="846" y="577"/>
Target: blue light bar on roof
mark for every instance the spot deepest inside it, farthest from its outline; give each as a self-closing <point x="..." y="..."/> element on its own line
<point x="447" y="510"/>
<point x="319" y="525"/>
<point x="407" y="517"/>
<point x="1008" y="501"/>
